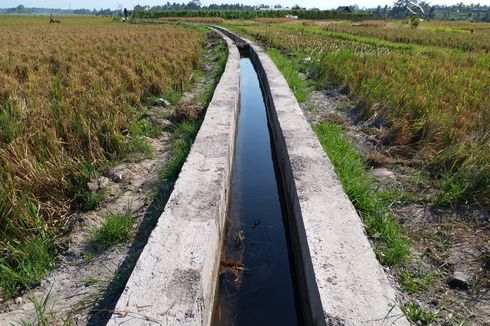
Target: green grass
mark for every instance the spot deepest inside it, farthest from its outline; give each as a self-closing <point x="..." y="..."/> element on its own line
<point x="144" y="128"/>
<point x="289" y="68"/>
<point x="182" y="139"/>
<point x="45" y="315"/>
<point x="42" y="312"/>
<point x="173" y="96"/>
<point x="115" y="229"/>
<point x="88" y="256"/>
<point x="27" y="263"/>
<point x="84" y="198"/>
<point x="417" y="314"/>
<point x="137" y="149"/>
<point x="29" y="255"/>
<point x="91" y="199"/>
<point x="390" y="244"/>
<point x="418" y="281"/>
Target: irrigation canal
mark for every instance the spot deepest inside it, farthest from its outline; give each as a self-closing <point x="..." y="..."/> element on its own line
<point x="256" y="285"/>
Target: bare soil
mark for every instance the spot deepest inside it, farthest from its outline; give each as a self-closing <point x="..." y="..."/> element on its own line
<point x="85" y="286"/>
<point x="452" y="244"/>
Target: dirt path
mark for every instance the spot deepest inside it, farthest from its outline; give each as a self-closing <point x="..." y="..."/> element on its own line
<point x="85" y="284"/>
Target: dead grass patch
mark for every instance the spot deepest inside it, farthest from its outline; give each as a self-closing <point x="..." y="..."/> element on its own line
<point x="202" y="20"/>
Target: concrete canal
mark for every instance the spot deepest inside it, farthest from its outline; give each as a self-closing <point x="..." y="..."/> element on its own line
<point x="256" y="281"/>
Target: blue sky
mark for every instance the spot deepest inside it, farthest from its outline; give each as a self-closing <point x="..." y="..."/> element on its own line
<point x="131" y="3"/>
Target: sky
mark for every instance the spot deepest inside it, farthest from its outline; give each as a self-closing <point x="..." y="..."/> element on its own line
<point x="322" y="4"/>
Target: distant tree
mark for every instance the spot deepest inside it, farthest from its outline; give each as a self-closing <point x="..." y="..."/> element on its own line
<point x="431" y="14"/>
<point x="408" y="8"/>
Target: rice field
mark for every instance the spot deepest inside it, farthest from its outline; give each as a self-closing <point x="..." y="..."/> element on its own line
<point x="71" y="95"/>
<point x="198" y="20"/>
<point x="431" y="85"/>
<point x="462" y="36"/>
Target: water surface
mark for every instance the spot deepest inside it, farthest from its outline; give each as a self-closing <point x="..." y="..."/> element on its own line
<point x="256" y="284"/>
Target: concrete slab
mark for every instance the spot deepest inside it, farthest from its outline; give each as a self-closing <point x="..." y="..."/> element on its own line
<point x="174" y="281"/>
<point x="342" y="281"/>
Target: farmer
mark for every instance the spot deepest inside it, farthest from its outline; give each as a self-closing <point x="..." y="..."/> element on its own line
<point x="125" y="14"/>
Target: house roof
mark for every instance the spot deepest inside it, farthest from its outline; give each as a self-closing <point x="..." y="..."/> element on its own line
<point x="344" y="8"/>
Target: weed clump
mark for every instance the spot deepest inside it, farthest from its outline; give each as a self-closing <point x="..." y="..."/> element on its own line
<point x="187" y="111"/>
<point x="115" y="229"/>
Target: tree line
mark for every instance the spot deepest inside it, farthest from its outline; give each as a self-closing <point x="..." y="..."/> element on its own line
<point x="400" y="9"/>
<point x="405" y="9"/>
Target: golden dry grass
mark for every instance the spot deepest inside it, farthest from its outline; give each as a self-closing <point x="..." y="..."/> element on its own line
<point x="371" y="23"/>
<point x="273" y="20"/>
<point x="464" y="36"/>
<point x="323" y="23"/>
<point x="201" y="20"/>
<point x="68" y="94"/>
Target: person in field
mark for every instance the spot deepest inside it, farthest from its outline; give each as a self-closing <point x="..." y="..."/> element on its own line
<point x="125" y="14"/>
<point x="52" y="20"/>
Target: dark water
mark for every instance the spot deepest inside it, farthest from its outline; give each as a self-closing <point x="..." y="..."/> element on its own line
<point x="256" y="284"/>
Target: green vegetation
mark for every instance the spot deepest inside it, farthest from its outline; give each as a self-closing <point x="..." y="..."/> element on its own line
<point x="91" y="199"/>
<point x="182" y="138"/>
<point x="390" y="244"/>
<point x="418" y="315"/>
<point x="289" y="69"/>
<point x="144" y="128"/>
<point x="41" y="309"/>
<point x="44" y="314"/>
<point x="250" y="14"/>
<point x="415" y="282"/>
<point x="27" y="260"/>
<point x="115" y="229"/>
